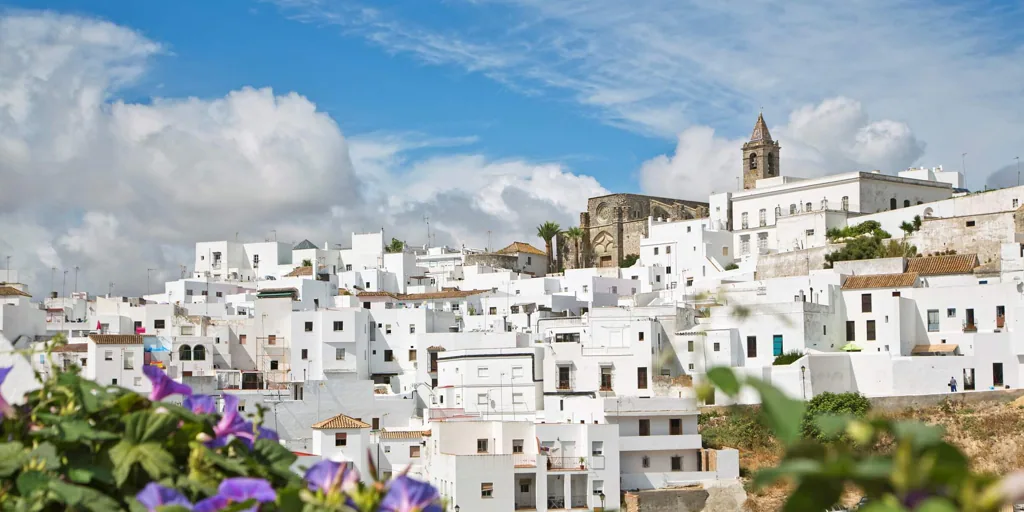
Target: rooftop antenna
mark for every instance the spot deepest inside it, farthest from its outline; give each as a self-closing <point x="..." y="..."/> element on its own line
<point x="426" y="219"/>
<point x="488" y="248"/>
<point x="963" y="168"/>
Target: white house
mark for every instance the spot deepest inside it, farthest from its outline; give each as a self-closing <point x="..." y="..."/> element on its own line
<point x="117" y="359"/>
<point x="342" y="438"/>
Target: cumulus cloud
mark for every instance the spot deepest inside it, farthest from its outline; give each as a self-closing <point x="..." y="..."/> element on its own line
<point x="836" y="135"/>
<point x="118" y="188"/>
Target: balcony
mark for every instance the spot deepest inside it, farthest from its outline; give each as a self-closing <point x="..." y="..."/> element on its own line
<point x="568" y="463"/>
<point x="1000" y="322"/>
<point x="215" y="265"/>
<point x="659" y="442"/>
<point x="970" y="328"/>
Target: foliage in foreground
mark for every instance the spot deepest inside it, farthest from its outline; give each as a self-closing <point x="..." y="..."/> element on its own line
<point x="78" y="445"/>
<point x="922" y="472"/>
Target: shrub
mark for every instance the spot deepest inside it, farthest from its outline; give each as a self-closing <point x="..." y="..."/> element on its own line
<point x="78" y="445"/>
<point x="855" y="405"/>
<point x="732" y="266"/>
<point x="628" y="260"/>
<point x="872" y="227"/>
<point x="787" y="358"/>
<point x="740" y="427"/>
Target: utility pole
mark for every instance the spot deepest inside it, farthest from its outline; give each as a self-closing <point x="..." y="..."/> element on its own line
<point x="53" y="270"/>
<point x="963" y="168"/>
<point x="426" y="218"/>
<point x="488" y="248"/>
<point x="76" y="278"/>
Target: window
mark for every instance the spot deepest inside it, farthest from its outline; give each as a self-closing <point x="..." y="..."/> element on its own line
<point x="675" y="427"/>
<point x="412" y="354"/>
<point x="677" y="463"/>
<point x="970" y="223"/>
<point x="158" y="324"/>
<point x="745" y="244"/>
<point x="892" y="204"/>
<point x="482" y="371"/>
<point x="597" y="448"/>
<point x="529" y="260"/>
<point x="792" y="209"/>
<point x="220" y="294"/>
<point x="655" y="251"/>
<point x="645" y="427"/>
<point x="762" y="217"/>
<point x="808" y="207"/>
<point x="108" y="355"/>
<point x="414" y="452"/>
<point x="241" y="339"/>
<point x="865" y="303"/>
<point x="751" y="346"/>
<point x="809" y="232"/>
<point x="933" y="320"/>
<point x="375" y="424"/>
<point x="113" y="382"/>
<point x="308" y="326"/>
<point x="387" y="329"/>
<point x="851" y="330"/>
<point x="340" y="439"/>
<point x="846" y="203"/>
<point x="199" y="353"/>
<point x="305" y="354"/>
<point x="493" y="310"/>
<point x="743" y="221"/>
<point x="389" y="355"/>
<point x="129" y="361"/>
<point x="778" y="213"/>
<point x="517" y="446"/>
<point x="481" y="399"/>
<point x="486" y="490"/>
<point x="412" y="328"/>
<point x="138" y="381"/>
<point x="188" y="292"/>
<point x="273" y="364"/>
<point x="641" y="378"/>
<point x="339" y="354"/>
<point x="717" y="346"/>
<point x="606" y="378"/>
<point x="906" y="203"/>
<point x="871" y="330"/>
<point x="950" y="312"/>
<point x="689" y="345"/>
<point x="481" y="446"/>
<point x="272" y="339"/>
<point x="640" y="336"/>
<point x="645" y="461"/>
<point x="517" y="399"/>
<point x="762" y="241"/>
<point x="668" y="270"/>
<point x="517" y="372"/>
<point x="668" y="248"/>
<point x="85" y="361"/>
<point x="777" y="345"/>
<point x="1015" y="203"/>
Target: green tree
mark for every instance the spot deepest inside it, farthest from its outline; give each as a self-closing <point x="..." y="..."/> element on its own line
<point x="396" y="245"/>
<point x="860" y="248"/>
<point x="629" y="260"/>
<point x="547" y="232"/>
<point x="307" y="263"/>
<point x="898" y="249"/>
<point x="575" y="235"/>
<point x="854" y="405"/>
<point x="872" y="227"/>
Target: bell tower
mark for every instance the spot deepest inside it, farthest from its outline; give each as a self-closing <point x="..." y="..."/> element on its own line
<point x="760" y="155"/>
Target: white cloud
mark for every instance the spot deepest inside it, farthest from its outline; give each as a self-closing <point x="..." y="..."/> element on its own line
<point x="835" y="135"/>
<point x="117" y="188"/>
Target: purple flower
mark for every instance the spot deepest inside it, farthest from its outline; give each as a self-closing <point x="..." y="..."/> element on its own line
<point x="201" y="404"/>
<point x="231" y="423"/>
<point x="155" y="495"/>
<point x="164" y="386"/>
<point x="331" y="477"/>
<point x="238" y="490"/>
<point x="5" y="408"/>
<point x="410" y="495"/>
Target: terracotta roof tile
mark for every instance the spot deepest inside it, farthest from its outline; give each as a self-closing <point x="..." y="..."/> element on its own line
<point x="401" y="434"/>
<point x="338" y="422"/>
<point x="10" y="291"/>
<point x="116" y="339"/>
<point x="934" y="349"/>
<point x="523" y="247"/>
<point x="376" y="294"/>
<point x="943" y="265"/>
<point x="72" y="347"/>
<point x="905" y="280"/>
<point x="446" y="294"/>
<point x="300" y="271"/>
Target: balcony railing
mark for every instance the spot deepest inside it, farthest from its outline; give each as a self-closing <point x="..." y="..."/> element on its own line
<point x="568" y="463"/>
<point x="970" y="328"/>
<point x="1000" y="322"/>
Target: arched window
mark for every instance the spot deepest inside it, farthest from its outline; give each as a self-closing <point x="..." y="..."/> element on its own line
<point x="184" y="353"/>
<point x="771" y="164"/>
<point x="199" y="353"/>
<point x="846" y="203"/>
<point x="778" y="212"/>
<point x="792" y="209"/>
<point x="753" y="160"/>
<point x="892" y="204"/>
<point x="906" y="203"/>
<point x="808" y="206"/>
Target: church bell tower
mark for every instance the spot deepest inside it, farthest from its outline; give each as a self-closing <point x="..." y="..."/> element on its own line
<point x="760" y="155"/>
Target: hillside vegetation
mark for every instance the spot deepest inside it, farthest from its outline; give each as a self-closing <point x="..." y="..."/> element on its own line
<point x="991" y="434"/>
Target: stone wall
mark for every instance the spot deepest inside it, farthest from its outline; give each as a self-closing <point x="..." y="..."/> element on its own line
<point x="793" y="263"/>
<point x="726" y="497"/>
<point x="897" y="403"/>
<point x="509" y="261"/>
<point x="984" y="238"/>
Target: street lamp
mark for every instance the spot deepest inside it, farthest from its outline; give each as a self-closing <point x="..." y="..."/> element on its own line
<point x="601" y="495"/>
<point x="803" y="381"/>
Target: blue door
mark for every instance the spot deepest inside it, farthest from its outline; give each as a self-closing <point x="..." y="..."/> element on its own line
<point x="777" y="345"/>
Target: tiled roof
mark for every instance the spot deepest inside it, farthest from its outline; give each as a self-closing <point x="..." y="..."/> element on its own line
<point x="276" y="292"/>
<point x="904" y="280"/>
<point x="340" y="421"/>
<point x="73" y="347"/>
<point x="435" y="348"/>
<point x="446" y="294"/>
<point x="116" y="339"/>
<point x="524" y="247"/>
<point x="376" y="294"/>
<point x="943" y="265"/>
<point x="934" y="349"/>
<point x="402" y="434"/>
<point x="10" y="291"/>
<point x="301" y="271"/>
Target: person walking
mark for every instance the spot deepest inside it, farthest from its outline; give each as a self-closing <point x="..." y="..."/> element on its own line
<point x="952" y="384"/>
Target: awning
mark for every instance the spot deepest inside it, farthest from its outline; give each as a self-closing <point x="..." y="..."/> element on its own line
<point x="850" y="347"/>
<point x="945" y="348"/>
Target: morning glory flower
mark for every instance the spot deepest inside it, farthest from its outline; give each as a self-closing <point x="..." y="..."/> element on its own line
<point x="5" y="408"/>
<point x="201" y="404"/>
<point x="155" y="495"/>
<point x="331" y="477"/>
<point x="410" y="495"/>
<point x="164" y="386"/>
<point x="231" y="423"/>
<point x="238" y="490"/>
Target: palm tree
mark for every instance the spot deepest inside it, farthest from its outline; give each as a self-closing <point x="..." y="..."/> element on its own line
<point x="547" y="232"/>
<point x="575" y="235"/>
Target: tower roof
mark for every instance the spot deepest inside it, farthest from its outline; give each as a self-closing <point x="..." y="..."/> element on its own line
<point x="760" y="133"/>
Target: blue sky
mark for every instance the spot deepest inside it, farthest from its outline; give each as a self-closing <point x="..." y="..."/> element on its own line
<point x="487" y="116"/>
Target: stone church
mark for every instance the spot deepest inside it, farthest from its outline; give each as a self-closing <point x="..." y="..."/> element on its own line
<point x="613" y="225"/>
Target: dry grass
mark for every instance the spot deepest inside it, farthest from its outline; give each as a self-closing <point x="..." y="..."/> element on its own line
<point x="991" y="434"/>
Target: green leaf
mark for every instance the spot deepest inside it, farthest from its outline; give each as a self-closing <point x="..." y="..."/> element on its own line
<point x="919" y="434"/>
<point x="814" y="494"/>
<point x="832" y="425"/>
<point x="936" y="505"/>
<point x="782" y="414"/>
<point x="275" y="456"/>
<point x="144" y="426"/>
<point x="45" y="454"/>
<point x="881" y="506"/>
<point x="12" y="456"/>
<point x="79" y="496"/>
<point x="31" y="481"/>
<point x="873" y="467"/>
<point x="796" y="469"/>
<point x="724" y="379"/>
<point x="155" y="461"/>
<point x="74" y="431"/>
